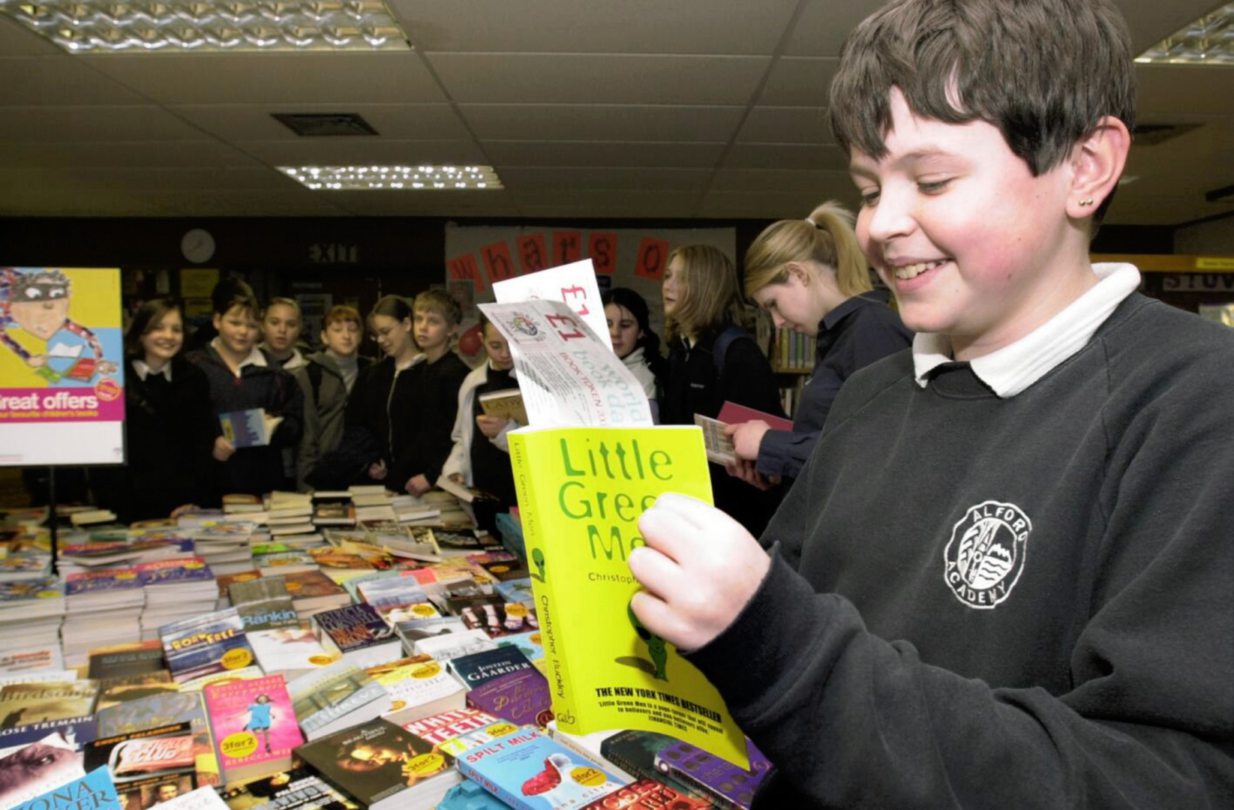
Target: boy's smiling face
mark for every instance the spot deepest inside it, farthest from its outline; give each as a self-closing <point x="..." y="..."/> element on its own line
<point x="972" y="244"/>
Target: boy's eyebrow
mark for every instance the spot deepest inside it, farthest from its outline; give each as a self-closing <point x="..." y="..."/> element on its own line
<point x="862" y="166"/>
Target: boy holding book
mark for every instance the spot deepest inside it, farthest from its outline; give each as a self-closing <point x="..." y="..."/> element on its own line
<point x="480" y="457"/>
<point x="243" y="378"/>
<point x="1003" y="577"/>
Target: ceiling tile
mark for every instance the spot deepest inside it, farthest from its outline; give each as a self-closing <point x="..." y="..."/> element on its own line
<point x="602" y="179"/>
<point x="799" y="82"/>
<point x="58" y="80"/>
<point x="780" y="180"/>
<point x="598" y="79"/>
<point x="785" y="156"/>
<point x="70" y="124"/>
<point x="632" y="26"/>
<point x="18" y="40"/>
<point x="362" y="151"/>
<point x="600" y="122"/>
<point x="273" y="78"/>
<point x="807" y="125"/>
<point x="598" y="153"/>
<point x="254" y="122"/>
<point x="95" y="154"/>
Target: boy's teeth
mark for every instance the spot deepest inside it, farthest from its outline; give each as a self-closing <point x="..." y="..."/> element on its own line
<point x="913" y="270"/>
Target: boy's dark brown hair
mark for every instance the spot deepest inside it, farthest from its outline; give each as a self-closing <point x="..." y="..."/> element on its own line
<point x="1043" y="71"/>
<point x="442" y="303"/>
<point x="233" y="292"/>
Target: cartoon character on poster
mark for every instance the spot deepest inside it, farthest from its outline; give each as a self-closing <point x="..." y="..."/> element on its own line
<point x="42" y="327"/>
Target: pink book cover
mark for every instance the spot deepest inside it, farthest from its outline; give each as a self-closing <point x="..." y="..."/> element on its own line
<point x="733" y="414"/>
<point x="254" y="725"/>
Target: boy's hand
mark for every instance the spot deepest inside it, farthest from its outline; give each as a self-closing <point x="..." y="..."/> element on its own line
<point x="491" y="426"/>
<point x="747" y="437"/>
<point x="377" y="471"/>
<point x="698" y="570"/>
<point x="418" y="485"/>
<point x="223" y="449"/>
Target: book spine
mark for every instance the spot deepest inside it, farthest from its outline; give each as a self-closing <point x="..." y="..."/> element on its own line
<point x="559" y="683"/>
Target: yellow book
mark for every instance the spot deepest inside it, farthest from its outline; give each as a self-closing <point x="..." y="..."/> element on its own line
<point x="581" y="491"/>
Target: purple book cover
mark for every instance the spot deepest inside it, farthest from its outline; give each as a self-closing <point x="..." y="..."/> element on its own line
<point x="521" y="697"/>
<point x="719" y="778"/>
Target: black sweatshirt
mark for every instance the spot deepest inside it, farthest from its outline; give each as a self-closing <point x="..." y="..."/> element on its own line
<point x="409" y="415"/>
<point x="1008" y="603"/>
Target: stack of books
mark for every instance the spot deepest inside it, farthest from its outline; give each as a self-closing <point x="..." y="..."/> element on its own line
<point x="175" y="589"/>
<point x="103" y="607"/>
<point x="31" y="611"/>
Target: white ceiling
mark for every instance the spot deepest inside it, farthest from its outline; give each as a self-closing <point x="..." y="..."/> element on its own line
<point x="643" y="108"/>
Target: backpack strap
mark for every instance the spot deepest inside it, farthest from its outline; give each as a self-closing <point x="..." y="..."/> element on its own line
<point x="724" y="340"/>
<point x="314" y="372"/>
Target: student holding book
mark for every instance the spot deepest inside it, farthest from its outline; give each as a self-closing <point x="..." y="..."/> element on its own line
<point x="326" y="381"/>
<point x="1003" y="577"/>
<point x="243" y="378"/>
<point x="169" y="426"/>
<point x="480" y="457"/>
<point x="409" y="400"/>
<point x="810" y="275"/>
<point x="711" y="361"/>
<point x="629" y="329"/>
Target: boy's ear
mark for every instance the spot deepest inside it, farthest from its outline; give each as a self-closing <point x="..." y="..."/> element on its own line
<point x="1097" y="162"/>
<point x="217" y="320"/>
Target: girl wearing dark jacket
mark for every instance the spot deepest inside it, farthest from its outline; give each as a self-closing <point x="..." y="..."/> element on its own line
<point x="702" y="307"/>
<point x="168" y="424"/>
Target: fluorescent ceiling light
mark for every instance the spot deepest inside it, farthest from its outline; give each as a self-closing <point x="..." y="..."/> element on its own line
<point x="124" y="26"/>
<point x="395" y="178"/>
<point x="1207" y="41"/>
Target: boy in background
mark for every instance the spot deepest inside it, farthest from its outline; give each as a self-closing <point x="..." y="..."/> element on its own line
<point x="326" y="381"/>
<point x="280" y="330"/>
<point x="1003" y="578"/>
<point x="243" y="378"/>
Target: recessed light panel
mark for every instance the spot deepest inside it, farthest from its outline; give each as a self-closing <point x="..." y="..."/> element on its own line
<point x="118" y="26"/>
<point x="1207" y="41"/>
<point x="395" y="178"/>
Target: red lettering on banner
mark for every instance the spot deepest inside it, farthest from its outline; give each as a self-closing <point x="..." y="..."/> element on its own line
<point x="652" y="256"/>
<point x="463" y="268"/>
<point x="602" y="248"/>
<point x="531" y="252"/>
<point x="497" y="262"/>
<point x="567" y="246"/>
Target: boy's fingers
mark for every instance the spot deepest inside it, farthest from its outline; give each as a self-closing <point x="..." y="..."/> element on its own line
<point x="658" y="617"/>
<point x="667" y="531"/>
<point x="656" y="572"/>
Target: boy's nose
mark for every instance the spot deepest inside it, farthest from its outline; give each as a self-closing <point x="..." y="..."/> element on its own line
<point x="889" y="218"/>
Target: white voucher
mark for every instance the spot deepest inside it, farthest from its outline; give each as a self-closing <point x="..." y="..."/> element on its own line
<point x="568" y="377"/>
<point x="573" y="283"/>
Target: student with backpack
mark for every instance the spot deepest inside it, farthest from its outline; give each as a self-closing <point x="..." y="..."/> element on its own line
<point x="713" y="360"/>
<point x="810" y="276"/>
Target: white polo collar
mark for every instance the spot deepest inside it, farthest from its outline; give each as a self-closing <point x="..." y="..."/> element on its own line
<point x="1015" y="367"/>
<point x="143" y="370"/>
<point x="256" y="357"/>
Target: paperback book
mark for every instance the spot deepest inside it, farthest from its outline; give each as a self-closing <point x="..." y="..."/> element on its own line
<point x="530" y="771"/>
<point x="25" y="703"/>
<point x="297" y="789"/>
<point x="381" y="765"/>
<point x="206" y="645"/>
<point x="254" y="726"/>
<point x="521" y="697"/>
<point x="478" y="668"/>
<point x="92" y="791"/>
<point x="335" y="697"/>
<point x="580" y="493"/>
<point x="250" y="428"/>
<point x="143" y="761"/>
<point x="359" y="634"/>
<point x="417" y="687"/>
